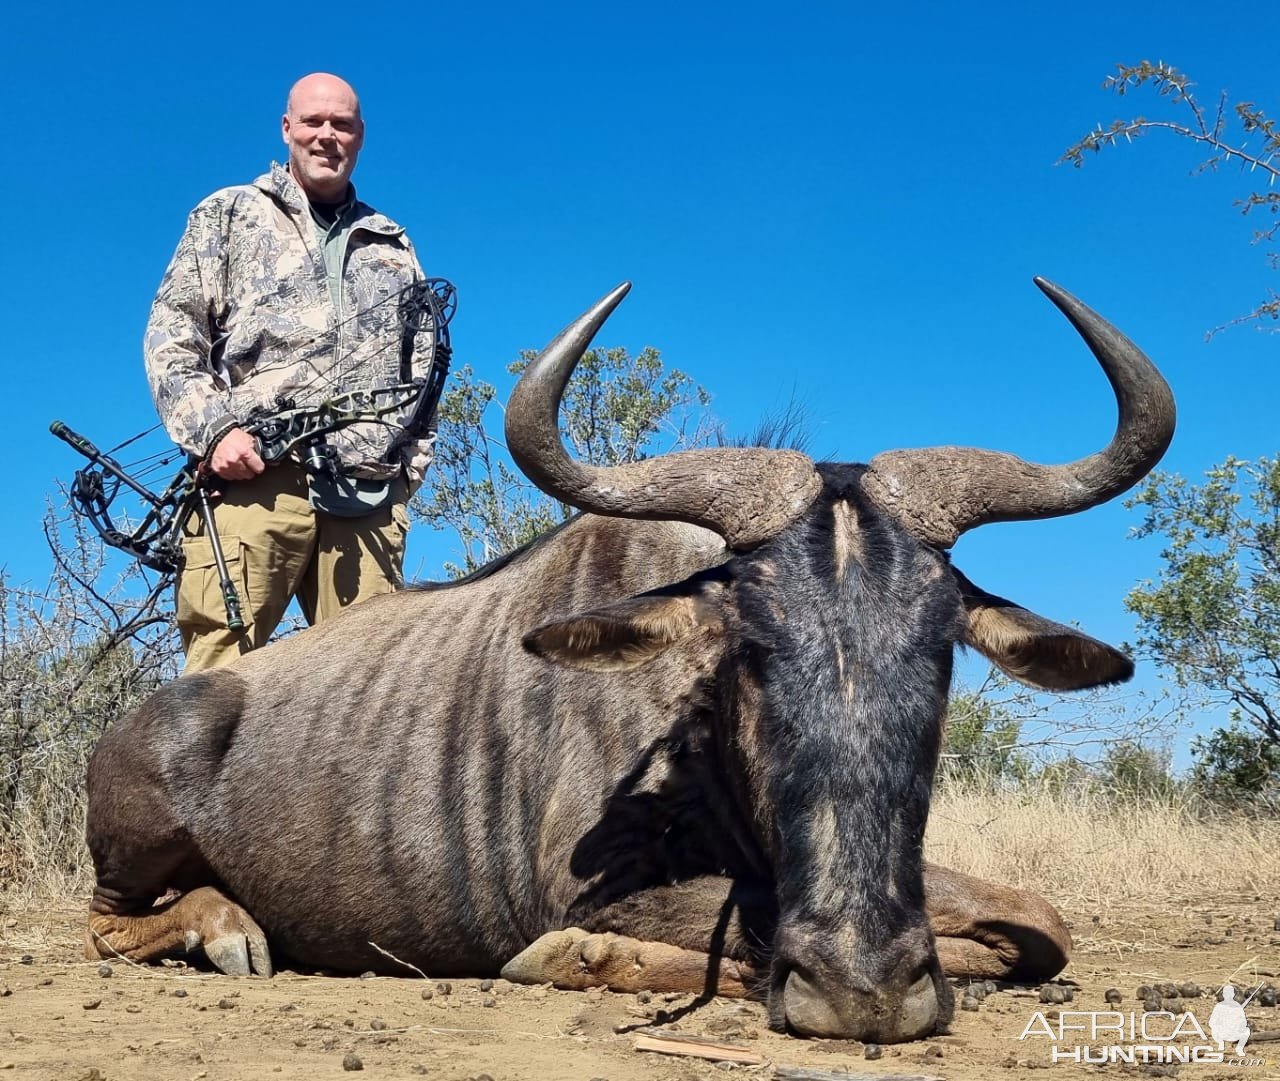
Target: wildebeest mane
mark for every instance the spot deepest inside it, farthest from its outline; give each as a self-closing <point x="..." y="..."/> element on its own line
<point x="788" y="428"/>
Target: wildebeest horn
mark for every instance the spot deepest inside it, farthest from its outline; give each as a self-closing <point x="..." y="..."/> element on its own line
<point x="939" y="492"/>
<point x="745" y="495"/>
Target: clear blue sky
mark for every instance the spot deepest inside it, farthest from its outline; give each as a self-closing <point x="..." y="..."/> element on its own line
<point x="825" y="199"/>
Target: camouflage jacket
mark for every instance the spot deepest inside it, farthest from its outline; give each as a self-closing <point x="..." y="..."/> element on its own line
<point x="244" y="314"/>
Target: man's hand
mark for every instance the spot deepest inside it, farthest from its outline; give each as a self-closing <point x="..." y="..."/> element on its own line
<point x="235" y="457"/>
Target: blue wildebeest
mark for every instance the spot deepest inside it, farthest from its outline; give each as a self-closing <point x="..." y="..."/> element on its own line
<point x="683" y="742"/>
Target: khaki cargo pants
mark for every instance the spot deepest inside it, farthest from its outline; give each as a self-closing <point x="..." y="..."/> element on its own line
<point x="278" y="546"/>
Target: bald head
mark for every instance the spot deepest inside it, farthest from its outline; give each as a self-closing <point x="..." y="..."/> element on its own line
<point x="324" y="132"/>
<point x="322" y="84"/>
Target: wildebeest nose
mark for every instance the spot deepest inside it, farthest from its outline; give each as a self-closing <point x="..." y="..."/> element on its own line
<point x="884" y="1018"/>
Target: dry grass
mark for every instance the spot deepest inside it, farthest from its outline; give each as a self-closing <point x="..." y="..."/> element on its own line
<point x="1083" y="849"/>
<point x="42" y="854"/>
<point x="75" y="656"/>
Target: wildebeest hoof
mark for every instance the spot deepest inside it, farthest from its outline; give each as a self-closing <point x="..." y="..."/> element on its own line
<point x="240" y="954"/>
<point x="574" y="960"/>
<point x="204" y="917"/>
<point x="553" y="958"/>
<point x="232" y="940"/>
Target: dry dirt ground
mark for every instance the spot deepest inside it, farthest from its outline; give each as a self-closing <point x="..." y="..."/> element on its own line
<point x="67" y="1019"/>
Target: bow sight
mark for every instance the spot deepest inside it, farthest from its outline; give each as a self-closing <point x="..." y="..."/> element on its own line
<point x="287" y="429"/>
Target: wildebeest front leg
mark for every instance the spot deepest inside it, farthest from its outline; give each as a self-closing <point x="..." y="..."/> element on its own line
<point x="988" y="931"/>
<point x="574" y="959"/>
<point x="203" y="917"/>
<point x="696" y="937"/>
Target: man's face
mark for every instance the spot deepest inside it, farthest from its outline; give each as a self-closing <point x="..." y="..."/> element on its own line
<point x="324" y="133"/>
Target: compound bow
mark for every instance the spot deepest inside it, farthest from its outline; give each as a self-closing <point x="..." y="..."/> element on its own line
<point x="156" y="541"/>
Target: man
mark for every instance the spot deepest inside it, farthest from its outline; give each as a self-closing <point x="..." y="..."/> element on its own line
<point x="288" y="290"/>
<point x="1227" y="1022"/>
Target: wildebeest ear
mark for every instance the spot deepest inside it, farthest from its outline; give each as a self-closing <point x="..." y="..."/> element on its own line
<point x="626" y="634"/>
<point x="1037" y="651"/>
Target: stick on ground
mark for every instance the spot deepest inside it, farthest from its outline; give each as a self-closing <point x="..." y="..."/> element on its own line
<point x="671" y="1043"/>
